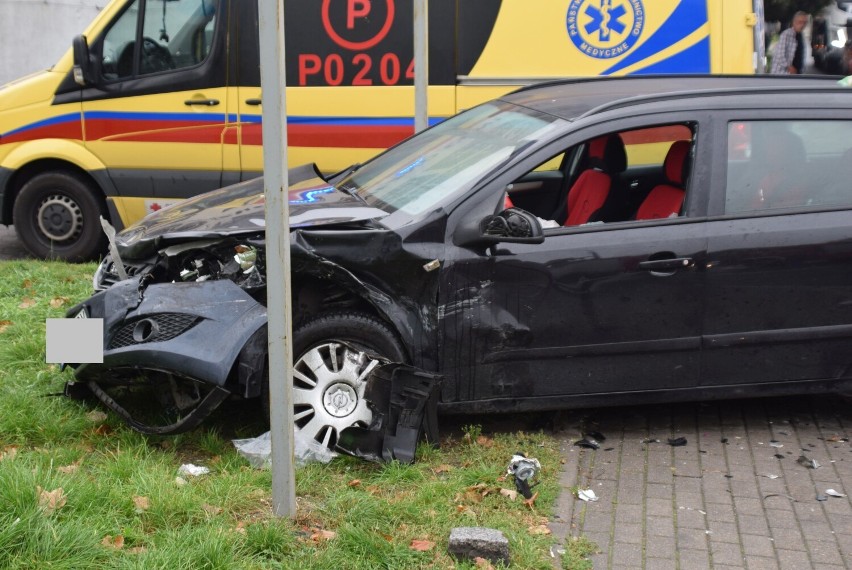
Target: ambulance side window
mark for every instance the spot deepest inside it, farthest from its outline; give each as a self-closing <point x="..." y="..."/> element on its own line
<point x="175" y="34"/>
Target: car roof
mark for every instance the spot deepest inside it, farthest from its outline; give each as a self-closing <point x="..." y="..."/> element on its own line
<point x="572" y="98"/>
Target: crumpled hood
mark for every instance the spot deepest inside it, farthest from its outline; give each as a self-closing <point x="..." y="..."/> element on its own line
<point x="240" y="209"/>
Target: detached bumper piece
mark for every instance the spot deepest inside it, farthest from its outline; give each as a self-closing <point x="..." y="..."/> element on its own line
<point x="404" y="401"/>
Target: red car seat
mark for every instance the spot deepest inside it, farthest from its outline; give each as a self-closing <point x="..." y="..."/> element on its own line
<point x="587" y="198"/>
<point x="665" y="200"/>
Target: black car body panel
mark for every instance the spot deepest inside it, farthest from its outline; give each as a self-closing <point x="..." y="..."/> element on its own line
<point x="731" y="293"/>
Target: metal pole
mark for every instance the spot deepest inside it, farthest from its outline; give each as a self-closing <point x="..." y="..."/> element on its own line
<point x="421" y="64"/>
<point x="273" y="84"/>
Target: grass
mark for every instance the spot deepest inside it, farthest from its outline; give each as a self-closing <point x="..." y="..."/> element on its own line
<point x="80" y="491"/>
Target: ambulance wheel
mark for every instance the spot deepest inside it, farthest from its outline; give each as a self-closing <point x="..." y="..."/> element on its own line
<point x="56" y="217"/>
<point x="333" y="355"/>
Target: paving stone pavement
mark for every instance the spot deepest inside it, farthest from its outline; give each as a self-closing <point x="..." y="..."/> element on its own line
<point x="727" y="499"/>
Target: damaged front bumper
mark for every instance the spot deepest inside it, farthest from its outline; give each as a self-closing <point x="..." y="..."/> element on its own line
<point x="193" y="345"/>
<point x="196" y="343"/>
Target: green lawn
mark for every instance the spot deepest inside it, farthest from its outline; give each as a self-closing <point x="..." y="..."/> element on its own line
<point x="80" y="490"/>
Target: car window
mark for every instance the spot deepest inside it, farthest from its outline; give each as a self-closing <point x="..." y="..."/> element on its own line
<point x="431" y="168"/>
<point x="175" y="34"/>
<point x="637" y="174"/>
<point x="788" y="164"/>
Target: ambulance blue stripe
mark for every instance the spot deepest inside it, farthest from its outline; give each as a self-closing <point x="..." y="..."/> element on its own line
<point x="685" y="61"/>
<point x="58" y="120"/>
<point x="342" y="121"/>
<point x="687" y="17"/>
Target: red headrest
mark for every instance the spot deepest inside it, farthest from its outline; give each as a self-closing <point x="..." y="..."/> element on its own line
<point x="675" y="162"/>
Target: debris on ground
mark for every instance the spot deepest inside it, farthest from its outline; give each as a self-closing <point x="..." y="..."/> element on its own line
<point x="774" y="443"/>
<point x="677" y="442"/>
<point x="809" y="463"/>
<point x="769" y="475"/>
<point x="193" y="470"/>
<point x="258" y="450"/>
<point x="523" y="469"/>
<point x="469" y="543"/>
<point x="833" y="493"/>
<point x="587" y="495"/>
<point x="588" y="442"/>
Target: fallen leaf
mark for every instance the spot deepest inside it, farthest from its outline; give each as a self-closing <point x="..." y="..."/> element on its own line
<point x="5" y="325"/>
<point x="50" y="501"/>
<point x="180" y="481"/>
<point x="72" y="468"/>
<point x="354" y="483"/>
<point x="136" y="550"/>
<point x="483" y="563"/>
<point x="211" y="509"/>
<point x="502" y="478"/>
<point x="539" y="529"/>
<point x="485" y="441"/>
<point x="116" y="542"/>
<point x="439" y="469"/>
<point x="509" y="494"/>
<point x="472" y="496"/>
<point x="26" y="303"/>
<point x="141" y="503"/>
<point x="531" y="501"/>
<point x="96" y="416"/>
<point x="57" y="302"/>
<point x="103" y="429"/>
<point x="321" y="535"/>
<point x="241" y="527"/>
<point x="26" y="284"/>
<point x="9" y="452"/>
<point x="421" y="545"/>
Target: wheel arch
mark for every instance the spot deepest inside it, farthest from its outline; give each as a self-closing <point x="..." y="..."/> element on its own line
<point x="50" y="155"/>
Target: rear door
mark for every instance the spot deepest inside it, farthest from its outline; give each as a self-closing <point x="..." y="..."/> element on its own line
<point x="157" y="115"/>
<point x="779" y="284"/>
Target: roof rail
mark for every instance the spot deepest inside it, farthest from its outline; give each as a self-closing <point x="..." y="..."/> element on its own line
<point x="603" y="78"/>
<point x="654" y="97"/>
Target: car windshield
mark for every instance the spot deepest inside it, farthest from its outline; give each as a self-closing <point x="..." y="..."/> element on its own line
<point x="446" y="160"/>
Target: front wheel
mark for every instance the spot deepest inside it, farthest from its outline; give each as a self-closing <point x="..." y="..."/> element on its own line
<point x="334" y="354"/>
<point x="56" y="217"/>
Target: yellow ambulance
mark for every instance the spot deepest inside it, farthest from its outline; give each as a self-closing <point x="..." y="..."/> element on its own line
<point x="159" y="100"/>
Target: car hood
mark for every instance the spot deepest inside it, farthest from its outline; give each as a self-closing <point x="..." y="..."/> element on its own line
<point x="240" y="209"/>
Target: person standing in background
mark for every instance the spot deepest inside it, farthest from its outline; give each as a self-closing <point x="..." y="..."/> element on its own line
<point x="789" y="55"/>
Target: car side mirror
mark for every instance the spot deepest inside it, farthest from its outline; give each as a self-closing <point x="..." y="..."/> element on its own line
<point x="512" y="225"/>
<point x="83" y="68"/>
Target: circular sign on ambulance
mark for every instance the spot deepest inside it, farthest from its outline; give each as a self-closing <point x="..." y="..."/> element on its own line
<point x="605" y="28"/>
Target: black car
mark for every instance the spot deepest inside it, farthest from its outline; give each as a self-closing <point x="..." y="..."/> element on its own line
<point x="576" y="243"/>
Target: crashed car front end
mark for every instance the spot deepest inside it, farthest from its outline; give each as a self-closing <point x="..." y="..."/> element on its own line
<point x="184" y="311"/>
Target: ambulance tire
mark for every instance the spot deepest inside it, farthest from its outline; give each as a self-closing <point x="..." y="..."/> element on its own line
<point x="56" y="216"/>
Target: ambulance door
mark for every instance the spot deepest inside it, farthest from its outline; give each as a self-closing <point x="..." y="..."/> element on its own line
<point x="157" y="113"/>
<point x="247" y="94"/>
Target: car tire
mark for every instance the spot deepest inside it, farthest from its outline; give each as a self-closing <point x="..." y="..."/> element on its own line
<point x="333" y="353"/>
<point x="56" y="217"/>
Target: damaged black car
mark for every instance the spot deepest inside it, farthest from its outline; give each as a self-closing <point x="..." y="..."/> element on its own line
<point x="578" y="243"/>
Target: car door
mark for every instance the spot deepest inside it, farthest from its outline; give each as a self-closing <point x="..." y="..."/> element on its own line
<point x="157" y="114"/>
<point x="599" y="309"/>
<point x="779" y="285"/>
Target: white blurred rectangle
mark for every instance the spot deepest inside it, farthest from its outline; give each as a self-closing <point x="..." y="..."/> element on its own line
<point x="78" y="341"/>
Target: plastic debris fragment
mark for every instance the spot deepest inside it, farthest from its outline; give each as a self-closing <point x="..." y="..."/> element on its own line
<point x="588" y="443"/>
<point x="809" y="463"/>
<point x="769" y="475"/>
<point x="677" y="442"/>
<point x="523" y="469"/>
<point x="821" y="498"/>
<point x="586" y="495"/>
<point x="833" y="493"/>
<point x="774" y="443"/>
<point x="193" y="470"/>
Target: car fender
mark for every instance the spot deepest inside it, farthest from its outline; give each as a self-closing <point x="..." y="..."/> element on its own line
<point x="70" y="151"/>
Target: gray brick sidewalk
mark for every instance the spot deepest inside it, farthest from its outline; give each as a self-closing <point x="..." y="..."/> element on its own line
<point x="726" y="499"/>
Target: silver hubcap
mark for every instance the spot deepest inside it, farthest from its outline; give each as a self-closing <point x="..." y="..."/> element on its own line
<point x="59" y="217"/>
<point x="328" y="391"/>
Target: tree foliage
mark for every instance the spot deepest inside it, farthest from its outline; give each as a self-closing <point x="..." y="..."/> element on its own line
<point x="783" y="10"/>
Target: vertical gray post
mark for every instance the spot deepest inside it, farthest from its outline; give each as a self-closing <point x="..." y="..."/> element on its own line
<point x="421" y="64"/>
<point x="273" y="84"/>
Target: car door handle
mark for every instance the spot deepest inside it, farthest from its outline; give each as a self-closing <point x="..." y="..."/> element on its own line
<point x="254" y="102"/>
<point x="204" y="102"/>
<point x="666" y="264"/>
